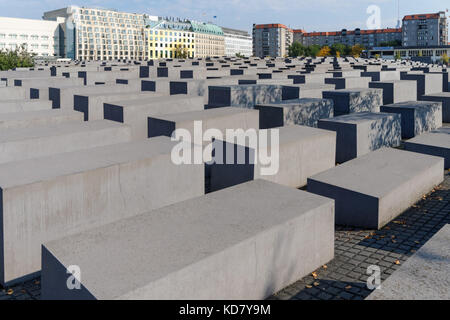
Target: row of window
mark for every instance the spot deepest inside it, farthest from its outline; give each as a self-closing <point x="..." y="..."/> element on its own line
<point x="14" y="36"/>
<point x="32" y="46"/>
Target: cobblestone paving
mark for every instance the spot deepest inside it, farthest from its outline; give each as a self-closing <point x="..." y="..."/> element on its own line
<point x="345" y="277"/>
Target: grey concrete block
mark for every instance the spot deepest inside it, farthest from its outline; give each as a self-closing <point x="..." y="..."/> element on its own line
<point x="135" y="113"/>
<point x="417" y="117"/>
<point x="396" y="91"/>
<point x="47" y="198"/>
<point x="302" y="153"/>
<point x="33" y="142"/>
<point x="361" y="133"/>
<point x="37" y="118"/>
<point x="305" y="112"/>
<point x="427" y="83"/>
<point x="372" y="190"/>
<point x="24" y="105"/>
<point x="225" y="245"/>
<point x="249" y="95"/>
<point x="219" y="118"/>
<point x="425" y="276"/>
<point x="349" y="82"/>
<point x="435" y="143"/>
<point x="355" y="100"/>
<point x="444" y="98"/>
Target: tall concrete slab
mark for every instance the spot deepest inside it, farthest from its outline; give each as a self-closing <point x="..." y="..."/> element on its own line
<point x="136" y="112"/>
<point x="364" y="132"/>
<point x="47" y="198"/>
<point x="444" y="98"/>
<point x="417" y="117"/>
<point x="225" y="245"/>
<point x="305" y="112"/>
<point x="33" y="142"/>
<point x="396" y="91"/>
<point x="355" y="100"/>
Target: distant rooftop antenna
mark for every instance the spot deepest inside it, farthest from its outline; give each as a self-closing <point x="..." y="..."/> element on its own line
<point x="398" y="15"/>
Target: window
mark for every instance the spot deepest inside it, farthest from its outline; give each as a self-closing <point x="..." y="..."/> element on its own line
<point x="45" y="38"/>
<point x="34" y="37"/>
<point x="13" y="36"/>
<point x="2" y="36"/>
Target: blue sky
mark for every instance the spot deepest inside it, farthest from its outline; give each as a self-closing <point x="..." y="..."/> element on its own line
<point x="311" y="15"/>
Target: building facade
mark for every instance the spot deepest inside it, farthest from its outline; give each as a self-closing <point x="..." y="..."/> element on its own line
<point x="209" y="40"/>
<point x="39" y="37"/>
<point x="366" y="38"/>
<point x="101" y="34"/>
<point x="167" y="37"/>
<point x="425" y="30"/>
<point x="237" y="42"/>
<point x="271" y="40"/>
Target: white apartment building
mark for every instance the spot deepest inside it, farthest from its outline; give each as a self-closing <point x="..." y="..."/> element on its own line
<point x="37" y="36"/>
<point x="101" y="34"/>
<point x="237" y="42"/>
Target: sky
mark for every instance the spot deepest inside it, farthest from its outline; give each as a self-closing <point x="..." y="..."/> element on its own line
<point x="310" y="15"/>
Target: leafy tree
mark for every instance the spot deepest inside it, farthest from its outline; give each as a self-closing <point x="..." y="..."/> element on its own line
<point x="397" y="56"/>
<point x="313" y="50"/>
<point x="18" y="58"/>
<point x="296" y="50"/>
<point x="445" y="59"/>
<point x="377" y="56"/>
<point x="394" y="43"/>
<point x="357" y="50"/>
<point x="338" y="54"/>
<point x="324" y="52"/>
<point x="338" y="47"/>
<point x="181" y="52"/>
<point x="240" y="55"/>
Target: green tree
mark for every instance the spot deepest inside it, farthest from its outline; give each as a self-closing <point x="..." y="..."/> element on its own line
<point x="397" y="56"/>
<point x="445" y="59"/>
<point x="18" y="58"/>
<point x="357" y="50"/>
<point x="296" y="50"/>
<point x="313" y="50"/>
<point x="338" y="47"/>
<point x="181" y="52"/>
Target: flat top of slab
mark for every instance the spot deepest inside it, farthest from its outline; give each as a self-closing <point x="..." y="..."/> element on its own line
<point x="352" y="91"/>
<point x="295" y="133"/>
<point x="359" y="117"/>
<point x="413" y="104"/>
<point x="405" y="82"/>
<point x="148" y="247"/>
<point x="9" y="135"/>
<point x="205" y="114"/>
<point x="155" y="99"/>
<point x="425" y="276"/>
<point x="295" y="102"/>
<point x="440" y="95"/>
<point x="439" y="138"/>
<point x="27" y="115"/>
<point x="46" y="168"/>
<point x="138" y="94"/>
<point x="379" y="172"/>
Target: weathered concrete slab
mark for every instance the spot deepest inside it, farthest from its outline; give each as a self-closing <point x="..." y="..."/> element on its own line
<point x="37" y="118"/>
<point x="361" y="133"/>
<point x="249" y="95"/>
<point x="444" y="98"/>
<point x="239" y="249"/>
<point x="435" y="143"/>
<point x="349" y="82"/>
<point x="372" y="190"/>
<point x="427" y="83"/>
<point x="47" y="198"/>
<point x="33" y="142"/>
<point x="305" y="112"/>
<point x="8" y="106"/>
<point x="417" y="117"/>
<point x="301" y="152"/>
<point x="136" y="112"/>
<point x="396" y="91"/>
<point x="218" y="118"/>
<point x="355" y="100"/>
<point x="314" y="90"/>
<point x="91" y="105"/>
<point x="424" y="276"/>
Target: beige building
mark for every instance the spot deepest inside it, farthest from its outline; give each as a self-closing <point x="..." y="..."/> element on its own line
<point x="209" y="40"/>
<point x="272" y="40"/>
